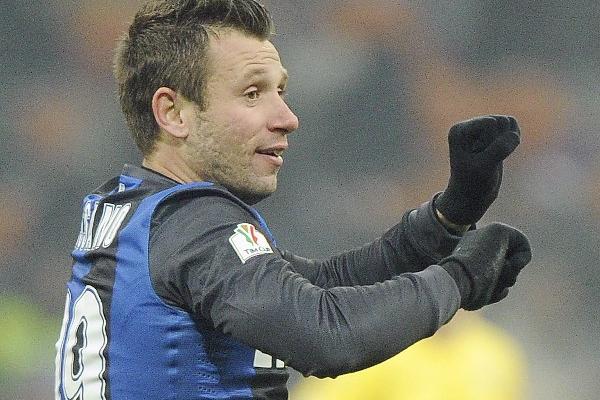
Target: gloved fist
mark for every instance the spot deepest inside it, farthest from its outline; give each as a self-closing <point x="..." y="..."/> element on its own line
<point x="486" y="262"/>
<point x="477" y="148"/>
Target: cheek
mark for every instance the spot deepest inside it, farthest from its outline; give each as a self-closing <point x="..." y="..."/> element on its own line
<point x="234" y="129"/>
<point x="245" y="123"/>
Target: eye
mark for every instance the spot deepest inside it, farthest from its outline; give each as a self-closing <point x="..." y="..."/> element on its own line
<point x="252" y="94"/>
<point x="282" y="92"/>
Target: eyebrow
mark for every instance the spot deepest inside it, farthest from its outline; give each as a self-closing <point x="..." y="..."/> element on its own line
<point x="258" y="71"/>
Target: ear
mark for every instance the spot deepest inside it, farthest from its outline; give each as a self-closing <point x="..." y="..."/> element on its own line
<point x="167" y="106"/>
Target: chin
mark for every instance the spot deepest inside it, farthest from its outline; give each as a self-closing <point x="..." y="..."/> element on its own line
<point x="252" y="197"/>
<point x="255" y="194"/>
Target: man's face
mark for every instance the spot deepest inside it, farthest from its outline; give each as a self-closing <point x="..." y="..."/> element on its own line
<point x="237" y="141"/>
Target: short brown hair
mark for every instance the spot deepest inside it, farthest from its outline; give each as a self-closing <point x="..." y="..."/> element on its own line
<point x="166" y="46"/>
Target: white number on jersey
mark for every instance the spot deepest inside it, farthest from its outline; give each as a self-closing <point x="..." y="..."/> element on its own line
<point x="80" y="360"/>
<point x="263" y="360"/>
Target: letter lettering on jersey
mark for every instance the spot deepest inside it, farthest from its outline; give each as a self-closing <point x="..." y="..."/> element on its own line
<point x="112" y="218"/>
<point x="115" y="224"/>
<point x="110" y="222"/>
<point x="105" y="220"/>
<point x="87" y="222"/>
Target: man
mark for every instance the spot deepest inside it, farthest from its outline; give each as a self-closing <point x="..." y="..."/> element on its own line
<point x="178" y="288"/>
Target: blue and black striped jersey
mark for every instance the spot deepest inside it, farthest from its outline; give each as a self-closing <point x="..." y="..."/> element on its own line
<point x="179" y="291"/>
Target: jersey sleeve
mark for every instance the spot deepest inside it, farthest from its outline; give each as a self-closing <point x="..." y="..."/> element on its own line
<point x="265" y="303"/>
<point x="418" y="241"/>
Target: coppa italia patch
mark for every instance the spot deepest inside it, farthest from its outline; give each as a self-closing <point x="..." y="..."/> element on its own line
<point x="248" y="242"/>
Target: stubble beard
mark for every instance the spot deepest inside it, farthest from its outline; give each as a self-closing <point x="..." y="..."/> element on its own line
<point x="230" y="165"/>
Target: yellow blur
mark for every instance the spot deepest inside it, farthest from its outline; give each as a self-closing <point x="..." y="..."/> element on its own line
<point x="468" y="359"/>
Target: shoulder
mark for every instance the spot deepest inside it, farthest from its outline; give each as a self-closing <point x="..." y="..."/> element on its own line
<point x="194" y="230"/>
<point x="201" y="207"/>
<point x="193" y="216"/>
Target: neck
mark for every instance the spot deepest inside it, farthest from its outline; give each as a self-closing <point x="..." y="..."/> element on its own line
<point x="170" y="165"/>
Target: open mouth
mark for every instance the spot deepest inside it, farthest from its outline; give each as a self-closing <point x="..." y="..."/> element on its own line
<point x="273" y="154"/>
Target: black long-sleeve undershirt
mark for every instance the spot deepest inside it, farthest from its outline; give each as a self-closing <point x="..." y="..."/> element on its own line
<point x="323" y="318"/>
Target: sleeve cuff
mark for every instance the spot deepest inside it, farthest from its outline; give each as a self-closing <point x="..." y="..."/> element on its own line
<point x="444" y="291"/>
<point x="429" y="234"/>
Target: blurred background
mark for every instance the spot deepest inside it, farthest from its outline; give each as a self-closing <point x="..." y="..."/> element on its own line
<point x="376" y="86"/>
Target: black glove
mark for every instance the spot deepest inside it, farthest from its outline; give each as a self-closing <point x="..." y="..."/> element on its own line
<point x="486" y="262"/>
<point x="477" y="148"/>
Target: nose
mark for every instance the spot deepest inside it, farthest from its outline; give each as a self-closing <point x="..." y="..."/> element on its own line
<point x="283" y="119"/>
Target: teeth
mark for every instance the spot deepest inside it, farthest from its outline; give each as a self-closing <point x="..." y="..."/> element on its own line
<point x="272" y="152"/>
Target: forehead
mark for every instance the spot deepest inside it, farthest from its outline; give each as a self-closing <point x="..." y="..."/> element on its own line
<point x="233" y="52"/>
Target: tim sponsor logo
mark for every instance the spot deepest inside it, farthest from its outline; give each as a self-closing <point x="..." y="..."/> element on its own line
<point x="248" y="242"/>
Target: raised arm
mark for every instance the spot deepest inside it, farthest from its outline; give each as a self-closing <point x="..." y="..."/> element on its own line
<point x="477" y="148"/>
<point x="419" y="240"/>
<point x="264" y="303"/>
